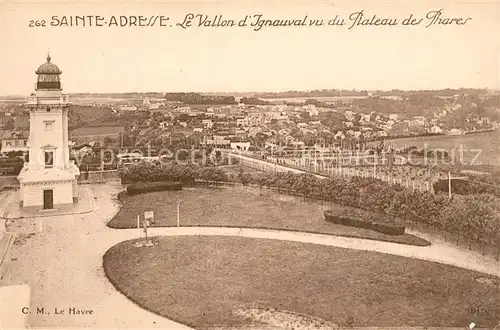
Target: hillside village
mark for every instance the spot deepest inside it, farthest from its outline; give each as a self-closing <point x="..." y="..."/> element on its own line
<point x="162" y="120"/>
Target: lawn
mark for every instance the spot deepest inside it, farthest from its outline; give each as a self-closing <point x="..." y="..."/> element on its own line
<point x="243" y="207"/>
<point x="210" y="281"/>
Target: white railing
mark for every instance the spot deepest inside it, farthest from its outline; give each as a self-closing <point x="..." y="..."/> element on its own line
<point x="272" y="164"/>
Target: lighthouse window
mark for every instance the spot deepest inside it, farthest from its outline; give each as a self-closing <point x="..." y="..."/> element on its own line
<point x="49" y="125"/>
<point x="49" y="159"/>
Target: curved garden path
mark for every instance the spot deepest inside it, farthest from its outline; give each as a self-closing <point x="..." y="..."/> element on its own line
<point x="62" y="263"/>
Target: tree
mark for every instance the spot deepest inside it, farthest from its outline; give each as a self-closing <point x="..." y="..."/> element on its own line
<point x="9" y="124"/>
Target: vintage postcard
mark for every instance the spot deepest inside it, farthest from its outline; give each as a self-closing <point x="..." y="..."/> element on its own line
<point x="255" y="165"/>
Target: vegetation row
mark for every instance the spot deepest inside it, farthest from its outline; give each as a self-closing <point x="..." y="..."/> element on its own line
<point x="475" y="216"/>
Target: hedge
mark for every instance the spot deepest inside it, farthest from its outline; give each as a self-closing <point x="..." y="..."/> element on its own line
<point x="154" y="172"/>
<point x="380" y="226"/>
<point x="388" y="228"/>
<point x="142" y="187"/>
<point x="476" y="216"/>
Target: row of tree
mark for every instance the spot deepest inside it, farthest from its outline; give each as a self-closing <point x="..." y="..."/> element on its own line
<point x="196" y="98"/>
<point x="476" y="216"/>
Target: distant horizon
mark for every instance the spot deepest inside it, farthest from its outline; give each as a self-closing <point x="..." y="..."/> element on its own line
<point x="495" y="90"/>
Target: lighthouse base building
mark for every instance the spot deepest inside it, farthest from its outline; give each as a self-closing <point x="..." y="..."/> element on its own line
<point x="48" y="179"/>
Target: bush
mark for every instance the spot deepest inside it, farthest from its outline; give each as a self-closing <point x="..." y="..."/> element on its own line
<point x="355" y="222"/>
<point x="388" y="228"/>
<point x="143" y="187"/>
<point x="330" y="217"/>
<point x="384" y="227"/>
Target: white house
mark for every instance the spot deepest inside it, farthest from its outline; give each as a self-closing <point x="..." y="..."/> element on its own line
<point x="207" y="123"/>
<point x="382" y="133"/>
<point x="128" y="108"/>
<point x="242" y="122"/>
<point x="436" y="130"/>
<point x="238" y="145"/>
<point x="455" y="131"/>
<point x="311" y="110"/>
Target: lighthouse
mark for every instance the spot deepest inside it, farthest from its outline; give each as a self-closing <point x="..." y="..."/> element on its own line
<point x="48" y="179"/>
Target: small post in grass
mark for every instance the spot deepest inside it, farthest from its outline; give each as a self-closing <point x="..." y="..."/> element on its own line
<point x="178" y="212"/>
<point x="146" y="224"/>
<point x="138" y="222"/>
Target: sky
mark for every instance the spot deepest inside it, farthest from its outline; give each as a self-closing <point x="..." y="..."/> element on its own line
<point x="112" y="59"/>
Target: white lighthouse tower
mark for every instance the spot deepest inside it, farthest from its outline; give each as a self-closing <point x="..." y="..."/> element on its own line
<point x="49" y="179"/>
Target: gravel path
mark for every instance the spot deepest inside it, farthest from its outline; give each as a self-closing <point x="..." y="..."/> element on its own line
<point x="62" y="262"/>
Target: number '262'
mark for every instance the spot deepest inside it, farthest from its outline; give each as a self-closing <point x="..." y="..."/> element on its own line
<point x="37" y="23"/>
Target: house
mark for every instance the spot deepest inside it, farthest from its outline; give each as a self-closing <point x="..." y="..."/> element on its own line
<point x="252" y="131"/>
<point x="216" y="140"/>
<point x="255" y="119"/>
<point x="381" y="133"/>
<point x="366" y="118"/>
<point x="164" y="124"/>
<point x="15" y="141"/>
<point x="183" y="109"/>
<point x="239" y="145"/>
<point x="311" y="110"/>
<point x="198" y="129"/>
<point x="418" y="121"/>
<point x="284" y="131"/>
<point x="348" y="124"/>
<point x="436" y="130"/>
<point x="297" y="144"/>
<point x="128" y="108"/>
<point x="301" y="125"/>
<point x="207" y="123"/>
<point x="349" y="115"/>
<point x="242" y="122"/>
<point x="455" y="131"/>
<point x="483" y="120"/>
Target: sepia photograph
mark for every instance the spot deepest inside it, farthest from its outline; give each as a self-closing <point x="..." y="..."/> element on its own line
<point x="250" y="165"/>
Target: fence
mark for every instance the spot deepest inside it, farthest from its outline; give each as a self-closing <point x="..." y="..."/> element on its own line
<point x="414" y="184"/>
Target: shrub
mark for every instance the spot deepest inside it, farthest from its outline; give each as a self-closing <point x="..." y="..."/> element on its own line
<point x="388" y="228"/>
<point x="355" y="222"/>
<point x="330" y="217"/>
<point x="143" y="187"/>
